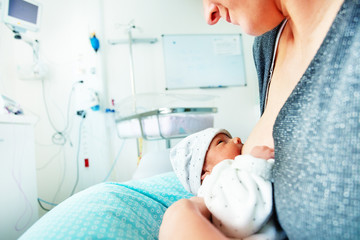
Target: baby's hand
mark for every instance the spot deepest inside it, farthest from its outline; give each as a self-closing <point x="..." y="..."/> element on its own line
<point x="263" y="152"/>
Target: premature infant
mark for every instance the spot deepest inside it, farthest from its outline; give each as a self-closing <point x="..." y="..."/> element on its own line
<point x="236" y="188"/>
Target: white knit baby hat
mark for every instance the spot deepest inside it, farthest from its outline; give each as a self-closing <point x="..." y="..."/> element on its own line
<point x="187" y="157"/>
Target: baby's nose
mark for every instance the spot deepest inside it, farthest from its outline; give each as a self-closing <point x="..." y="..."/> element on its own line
<point x="236" y="140"/>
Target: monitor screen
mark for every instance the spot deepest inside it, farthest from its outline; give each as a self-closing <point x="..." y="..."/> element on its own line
<point x="22" y="14"/>
<point x="23" y="10"/>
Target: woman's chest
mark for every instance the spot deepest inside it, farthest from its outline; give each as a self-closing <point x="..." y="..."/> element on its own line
<point x="284" y="79"/>
<point x="279" y="89"/>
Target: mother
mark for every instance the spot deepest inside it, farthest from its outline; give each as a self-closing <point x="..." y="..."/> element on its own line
<point x="310" y="103"/>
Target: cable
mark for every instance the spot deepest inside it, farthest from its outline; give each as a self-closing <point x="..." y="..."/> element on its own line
<point x="115" y="161"/>
<point x="78" y="153"/>
<point x="59" y="187"/>
<point x="45" y="165"/>
<point x="77" y="163"/>
<point x="59" y="137"/>
<point x="62" y="178"/>
<point x="50" y="160"/>
<point x="42" y="207"/>
<point x="77" y="178"/>
<point x="18" y="158"/>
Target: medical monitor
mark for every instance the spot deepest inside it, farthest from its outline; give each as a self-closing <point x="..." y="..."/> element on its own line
<point x="22" y="14"/>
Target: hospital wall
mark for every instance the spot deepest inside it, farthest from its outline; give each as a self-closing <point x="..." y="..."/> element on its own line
<point x="66" y="52"/>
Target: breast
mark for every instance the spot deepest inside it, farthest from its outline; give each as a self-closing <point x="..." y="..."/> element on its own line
<point x="261" y="134"/>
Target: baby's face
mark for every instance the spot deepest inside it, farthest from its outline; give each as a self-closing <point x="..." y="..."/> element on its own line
<point x="221" y="147"/>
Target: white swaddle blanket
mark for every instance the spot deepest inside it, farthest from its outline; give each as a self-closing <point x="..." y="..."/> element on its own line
<point x="238" y="193"/>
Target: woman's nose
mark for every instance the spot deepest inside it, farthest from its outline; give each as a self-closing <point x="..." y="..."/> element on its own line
<point x="212" y="12"/>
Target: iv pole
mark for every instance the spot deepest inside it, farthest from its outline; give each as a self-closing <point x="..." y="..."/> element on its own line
<point x="131" y="58"/>
<point x="132" y="41"/>
<point x="132" y="80"/>
<point x="129" y="28"/>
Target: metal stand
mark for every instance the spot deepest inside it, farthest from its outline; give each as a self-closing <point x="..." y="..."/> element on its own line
<point x="35" y="45"/>
<point x="129" y="28"/>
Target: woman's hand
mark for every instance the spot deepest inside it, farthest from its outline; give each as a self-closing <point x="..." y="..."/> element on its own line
<point x="263" y="152"/>
<point x="188" y="219"/>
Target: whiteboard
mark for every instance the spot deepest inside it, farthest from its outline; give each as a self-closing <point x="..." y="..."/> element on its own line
<point x="203" y="61"/>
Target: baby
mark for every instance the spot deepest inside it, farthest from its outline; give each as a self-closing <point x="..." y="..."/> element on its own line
<point x="236" y="188"/>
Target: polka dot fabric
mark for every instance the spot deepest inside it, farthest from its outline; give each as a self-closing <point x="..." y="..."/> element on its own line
<point x="130" y="210"/>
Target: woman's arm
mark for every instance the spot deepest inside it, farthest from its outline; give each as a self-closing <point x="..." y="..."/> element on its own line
<point x="188" y="219"/>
